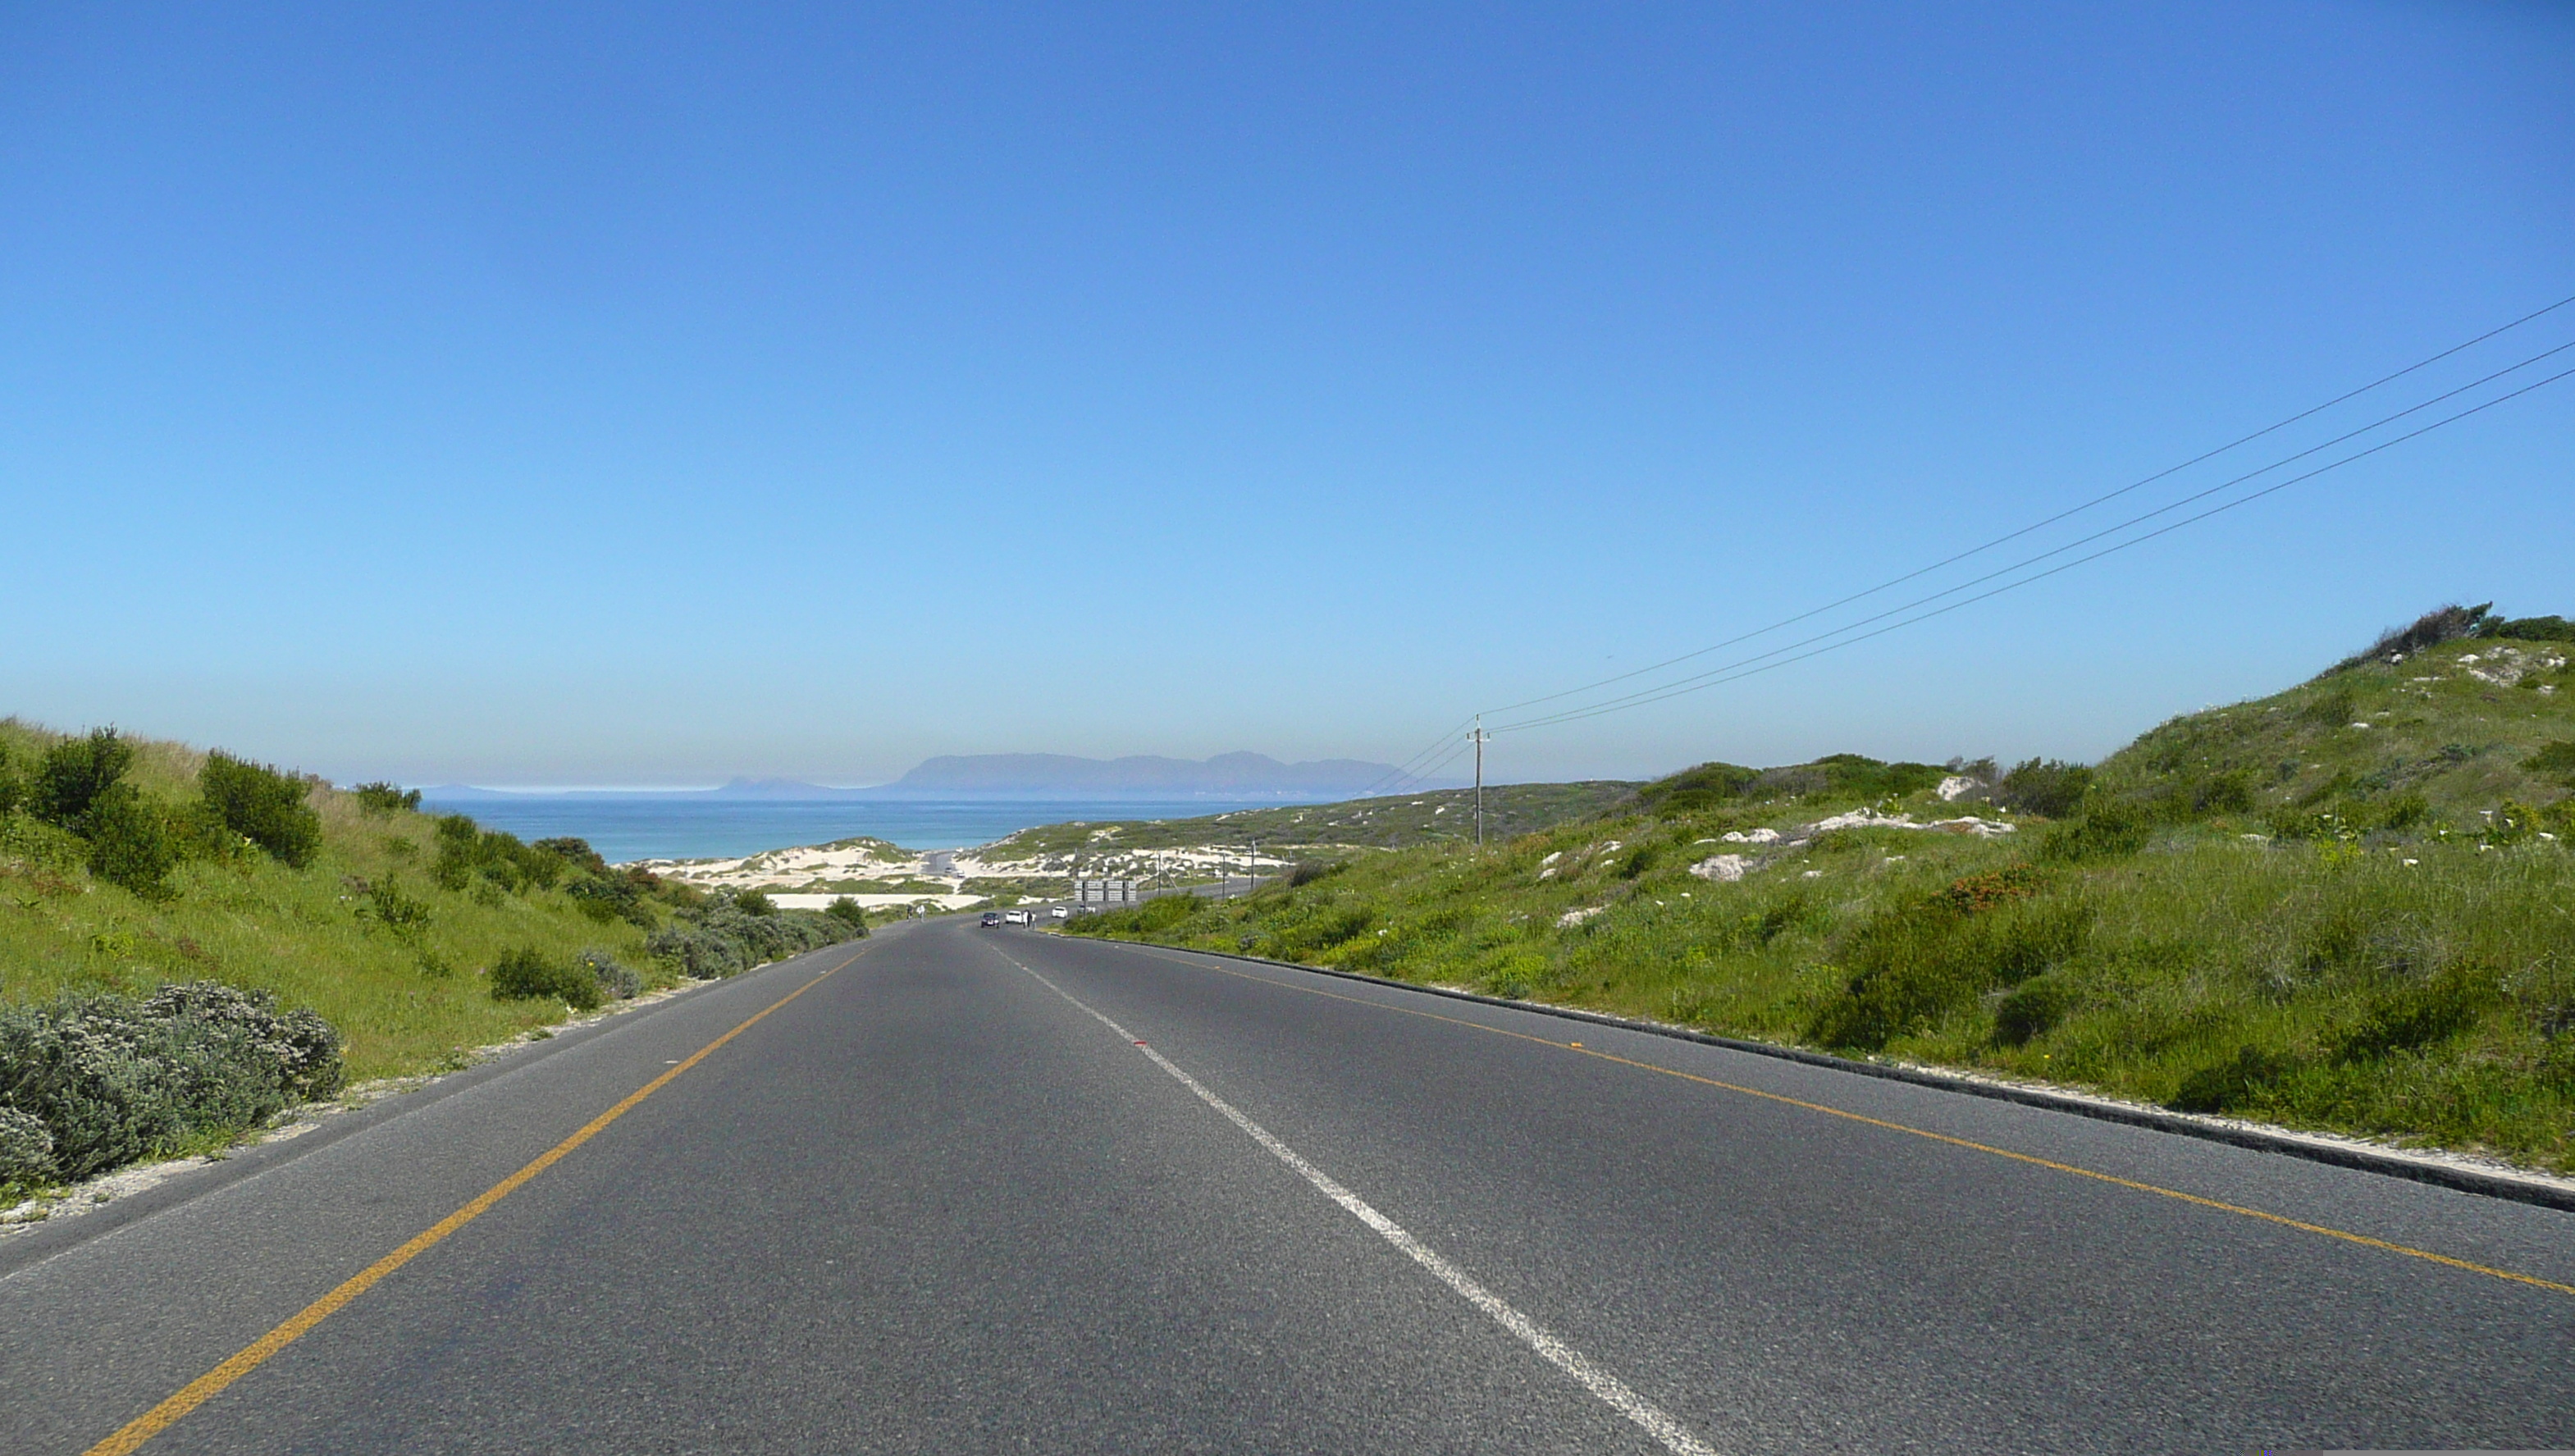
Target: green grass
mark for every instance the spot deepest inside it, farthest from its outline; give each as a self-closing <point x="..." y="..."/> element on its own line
<point x="2261" y="910"/>
<point x="405" y="1001"/>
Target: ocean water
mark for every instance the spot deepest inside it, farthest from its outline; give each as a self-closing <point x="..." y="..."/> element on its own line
<point x="704" y="828"/>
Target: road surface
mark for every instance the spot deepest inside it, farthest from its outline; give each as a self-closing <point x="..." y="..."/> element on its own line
<point x="966" y="1191"/>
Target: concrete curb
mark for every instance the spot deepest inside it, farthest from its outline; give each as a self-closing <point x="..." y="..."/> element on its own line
<point x="2385" y="1162"/>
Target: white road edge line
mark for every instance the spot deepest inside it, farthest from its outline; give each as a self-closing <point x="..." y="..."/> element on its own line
<point x="1610" y="1388"/>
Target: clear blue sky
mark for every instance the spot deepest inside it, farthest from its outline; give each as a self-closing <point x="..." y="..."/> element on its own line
<point x="645" y="394"/>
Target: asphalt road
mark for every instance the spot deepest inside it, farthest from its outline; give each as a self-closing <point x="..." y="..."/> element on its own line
<point x="943" y="1201"/>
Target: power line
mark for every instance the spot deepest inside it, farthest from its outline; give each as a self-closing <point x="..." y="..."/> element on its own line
<point x="2052" y="520"/>
<point x="1404" y="770"/>
<point x="1689" y="685"/>
<point x="1651" y="693"/>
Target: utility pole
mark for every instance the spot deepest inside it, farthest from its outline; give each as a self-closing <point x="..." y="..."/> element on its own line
<point x="1480" y="780"/>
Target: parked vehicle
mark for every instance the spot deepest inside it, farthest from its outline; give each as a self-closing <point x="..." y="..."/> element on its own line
<point x="1017" y="918"/>
<point x="1061" y="912"/>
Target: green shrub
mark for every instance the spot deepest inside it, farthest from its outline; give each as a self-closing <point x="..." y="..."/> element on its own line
<point x="130" y="842"/>
<point x="2511" y="824"/>
<point x="2049" y="787"/>
<point x="112" y="1078"/>
<point x="2530" y="629"/>
<point x="263" y="805"/>
<point x="74" y="773"/>
<point x="1692" y="790"/>
<point x="1915" y="963"/>
<point x="12" y="791"/>
<point x="575" y="852"/>
<point x="1307" y="872"/>
<point x="386" y="905"/>
<point x="469" y="854"/>
<point x="610" y="897"/>
<point x="2413" y="1016"/>
<point x="755" y="903"/>
<point x="849" y="912"/>
<point x="2108" y="829"/>
<point x="528" y="974"/>
<point x="385" y="798"/>
<point x="2237" y="1083"/>
<point x="2032" y="1009"/>
<point x="2557" y="760"/>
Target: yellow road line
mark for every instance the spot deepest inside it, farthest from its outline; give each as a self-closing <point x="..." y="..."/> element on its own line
<point x="2002" y="1152"/>
<point x="207" y="1386"/>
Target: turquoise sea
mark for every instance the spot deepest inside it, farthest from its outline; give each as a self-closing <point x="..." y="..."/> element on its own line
<point x="665" y="828"/>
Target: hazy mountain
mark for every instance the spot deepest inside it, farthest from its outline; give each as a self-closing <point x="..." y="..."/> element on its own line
<point x="1026" y="776"/>
<point x="1058" y="775"/>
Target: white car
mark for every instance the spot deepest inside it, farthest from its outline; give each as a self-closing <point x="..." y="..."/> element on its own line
<point x="1061" y="912"/>
<point x="1017" y="918"/>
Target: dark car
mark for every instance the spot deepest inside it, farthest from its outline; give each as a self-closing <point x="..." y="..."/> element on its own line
<point x="990" y="918"/>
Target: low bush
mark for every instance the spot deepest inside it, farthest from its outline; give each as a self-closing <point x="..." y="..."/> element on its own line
<point x="2433" y="628"/>
<point x="468" y="853"/>
<point x="529" y="974"/>
<point x="385" y="903"/>
<point x="1915" y="963"/>
<point x="755" y="903"/>
<point x="2556" y="760"/>
<point x="263" y="805"/>
<point x="74" y="774"/>
<point x="2529" y="628"/>
<point x="1971" y="894"/>
<point x="2412" y="1016"/>
<point x="26" y="1152"/>
<point x="2032" y="1009"/>
<point x="1851" y="776"/>
<point x="2235" y="1082"/>
<point x="610" y="897"/>
<point x="386" y="797"/>
<point x="2049" y="787"/>
<point x="617" y="982"/>
<point x="2108" y="829"/>
<point x="718" y="938"/>
<point x="131" y="841"/>
<point x="574" y="852"/>
<point x="112" y="1078"/>
<point x="849" y="912"/>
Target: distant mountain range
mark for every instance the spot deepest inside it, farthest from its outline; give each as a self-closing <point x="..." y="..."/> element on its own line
<point x="1029" y="775"/>
<point x="1040" y="775"/>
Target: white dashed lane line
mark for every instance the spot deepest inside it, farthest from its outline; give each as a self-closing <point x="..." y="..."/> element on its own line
<point x="1610" y="1388"/>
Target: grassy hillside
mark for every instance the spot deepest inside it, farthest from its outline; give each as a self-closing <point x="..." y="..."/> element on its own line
<point x="1395" y="822"/>
<point x="2266" y="910"/>
<point x="388" y="929"/>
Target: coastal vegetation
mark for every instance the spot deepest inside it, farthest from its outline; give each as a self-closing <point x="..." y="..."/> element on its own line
<point x="191" y="941"/>
<point x="2350" y="906"/>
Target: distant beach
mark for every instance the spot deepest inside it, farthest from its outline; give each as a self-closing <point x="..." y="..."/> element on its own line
<point x="664" y="828"/>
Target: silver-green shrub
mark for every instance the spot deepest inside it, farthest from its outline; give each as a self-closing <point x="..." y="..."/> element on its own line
<point x="721" y="939"/>
<point x="26" y="1151"/>
<point x="617" y="981"/>
<point x="112" y="1078"/>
